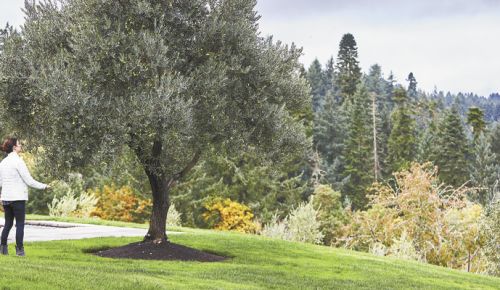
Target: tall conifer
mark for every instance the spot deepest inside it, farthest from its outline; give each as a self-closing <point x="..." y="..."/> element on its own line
<point x="358" y="149"/>
<point x="412" y="87"/>
<point x="485" y="171"/>
<point x="475" y="118"/>
<point x="451" y="149"/>
<point x="402" y="142"/>
<point x="349" y="72"/>
<point x="494" y="139"/>
<point x="316" y="81"/>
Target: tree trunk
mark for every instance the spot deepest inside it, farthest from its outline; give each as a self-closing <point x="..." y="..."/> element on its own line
<point x="160" y="187"/>
<point x="468" y="262"/>
<point x="376" y="165"/>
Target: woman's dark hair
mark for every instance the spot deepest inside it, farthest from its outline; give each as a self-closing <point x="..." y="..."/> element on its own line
<point x="8" y="145"/>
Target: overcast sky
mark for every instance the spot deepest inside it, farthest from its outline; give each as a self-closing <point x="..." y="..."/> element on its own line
<point x="451" y="44"/>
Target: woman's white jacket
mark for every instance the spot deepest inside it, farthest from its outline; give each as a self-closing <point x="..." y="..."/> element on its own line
<point x="15" y="178"/>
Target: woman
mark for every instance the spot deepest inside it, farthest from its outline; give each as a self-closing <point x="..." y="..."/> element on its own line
<point x="14" y="180"/>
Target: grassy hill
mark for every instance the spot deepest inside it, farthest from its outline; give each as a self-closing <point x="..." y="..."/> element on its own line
<point x="255" y="263"/>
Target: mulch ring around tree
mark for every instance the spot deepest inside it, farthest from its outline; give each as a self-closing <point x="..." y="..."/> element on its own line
<point x="162" y="251"/>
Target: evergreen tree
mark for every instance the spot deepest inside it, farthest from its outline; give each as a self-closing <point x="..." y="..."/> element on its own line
<point x="475" y="118"/>
<point x="494" y="139"/>
<point x="3" y="35"/>
<point x="329" y="135"/>
<point x="412" y="87"/>
<point x="390" y="90"/>
<point x="375" y="82"/>
<point x="349" y="72"/>
<point x="329" y="76"/>
<point x="328" y="130"/>
<point x="317" y="83"/>
<point x="171" y="80"/>
<point x="266" y="188"/>
<point x="451" y="149"/>
<point x="402" y="142"/>
<point x="377" y="88"/>
<point x="484" y="170"/>
<point x="358" y="149"/>
<point x="428" y="136"/>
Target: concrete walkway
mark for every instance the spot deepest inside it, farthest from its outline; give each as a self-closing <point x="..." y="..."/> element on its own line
<point x="49" y="231"/>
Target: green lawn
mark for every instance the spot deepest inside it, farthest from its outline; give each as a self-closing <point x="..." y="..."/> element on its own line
<point x="256" y="263"/>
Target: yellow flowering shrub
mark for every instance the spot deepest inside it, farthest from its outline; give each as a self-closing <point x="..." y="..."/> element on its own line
<point x="228" y="215"/>
<point x="121" y="204"/>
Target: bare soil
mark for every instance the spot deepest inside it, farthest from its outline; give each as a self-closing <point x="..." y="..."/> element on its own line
<point x="162" y="251"/>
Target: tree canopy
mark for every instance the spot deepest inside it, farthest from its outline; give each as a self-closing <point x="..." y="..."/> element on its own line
<point x="169" y="79"/>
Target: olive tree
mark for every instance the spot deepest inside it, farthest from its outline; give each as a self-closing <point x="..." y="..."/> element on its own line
<point x="170" y="79"/>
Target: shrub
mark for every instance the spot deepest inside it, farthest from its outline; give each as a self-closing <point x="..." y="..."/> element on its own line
<point x="378" y="249"/>
<point x="421" y="220"/>
<point x="301" y="225"/>
<point x="490" y="226"/>
<point x="228" y="215"/>
<point x="276" y="229"/>
<point x="331" y="215"/>
<point x="121" y="204"/>
<point x="173" y="217"/>
<point x="464" y="236"/>
<point x="403" y="248"/>
<point x="63" y="206"/>
<point x="69" y="205"/>
<point x="70" y="200"/>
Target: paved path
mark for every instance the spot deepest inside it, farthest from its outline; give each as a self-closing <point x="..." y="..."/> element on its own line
<point x="49" y="230"/>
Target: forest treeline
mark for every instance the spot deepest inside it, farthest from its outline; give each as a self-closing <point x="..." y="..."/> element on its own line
<point x="367" y="126"/>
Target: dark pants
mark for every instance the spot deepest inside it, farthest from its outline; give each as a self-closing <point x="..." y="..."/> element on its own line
<point x="16" y="209"/>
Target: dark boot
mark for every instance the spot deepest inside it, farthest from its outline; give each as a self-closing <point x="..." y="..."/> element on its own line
<point x="4" y="250"/>
<point x="20" y="251"/>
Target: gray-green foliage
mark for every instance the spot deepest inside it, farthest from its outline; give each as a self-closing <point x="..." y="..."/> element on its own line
<point x="187" y="74"/>
<point x="168" y="79"/>
<point x="484" y="170"/>
<point x="329" y="130"/>
<point x="301" y="225"/>
<point x="69" y="198"/>
<point x="3" y="35"/>
<point x="317" y="83"/>
<point x="491" y="229"/>
<point x="72" y="184"/>
<point x="123" y="170"/>
<point x="173" y="217"/>
<point x="494" y="139"/>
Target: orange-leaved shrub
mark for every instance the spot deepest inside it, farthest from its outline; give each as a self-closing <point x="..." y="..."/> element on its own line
<point x="228" y="215"/>
<point x="121" y="204"/>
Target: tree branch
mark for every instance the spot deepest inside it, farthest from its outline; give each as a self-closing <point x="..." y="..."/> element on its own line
<point x="188" y="167"/>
